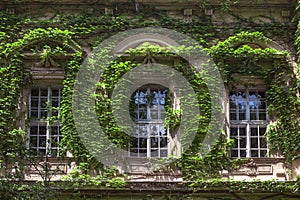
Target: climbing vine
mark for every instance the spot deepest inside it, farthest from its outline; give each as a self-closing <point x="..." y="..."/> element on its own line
<point x="248" y="51"/>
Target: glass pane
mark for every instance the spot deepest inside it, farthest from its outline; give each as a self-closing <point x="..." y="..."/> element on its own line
<point x="34" y="114"/>
<point x="41" y="151"/>
<point x="34" y="102"/>
<point x="254" y="142"/>
<point x="163" y="142"/>
<point x="235" y="143"/>
<point x="154" y="153"/>
<point x="143" y="152"/>
<point x="143" y="142"/>
<point x="263" y="142"/>
<point x="234" y="153"/>
<point x="262" y="115"/>
<point x="232" y="104"/>
<point x="44" y="102"/>
<point x="44" y="114"/>
<point x="163" y="115"/>
<point x="243" y="153"/>
<point x="133" y="152"/>
<point x="233" y="115"/>
<point x="253" y="115"/>
<point x="233" y="132"/>
<point x="44" y="93"/>
<point x="261" y="94"/>
<point x="263" y="105"/>
<point x="242" y="131"/>
<point x="254" y="101"/>
<point x="154" y="114"/>
<point x="134" y="143"/>
<point x="164" y="153"/>
<point x="262" y="131"/>
<point x="34" y="92"/>
<point x="55" y="92"/>
<point x="143" y="131"/>
<point x="154" y="142"/>
<point x="242" y="115"/>
<point x="33" y="130"/>
<point x="263" y="153"/>
<point x="54" y="141"/>
<point x="254" y="132"/>
<point x="243" y="142"/>
<point x="154" y="131"/>
<point x="42" y="141"/>
<point x="54" y="152"/>
<point x="42" y="130"/>
<point x="254" y="153"/>
<point x="55" y="102"/>
<point x="54" y="130"/>
<point x="33" y="141"/>
<point x="142" y="114"/>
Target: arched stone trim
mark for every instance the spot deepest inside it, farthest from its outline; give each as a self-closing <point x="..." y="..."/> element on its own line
<point x="137" y="40"/>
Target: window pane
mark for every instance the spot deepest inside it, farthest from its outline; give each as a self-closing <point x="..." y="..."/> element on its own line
<point x="55" y="102"/>
<point x="42" y="130"/>
<point x="262" y="131"/>
<point x="243" y="153"/>
<point x="163" y="142"/>
<point x="253" y="115"/>
<point x="254" y="142"/>
<point x="243" y="142"/>
<point x="242" y="131"/>
<point x="254" y="153"/>
<point x="164" y="153"/>
<point x="263" y="153"/>
<point x="34" y="114"/>
<point x="254" y="132"/>
<point x="242" y="115"/>
<point x="33" y="130"/>
<point x="33" y="141"/>
<point x="263" y="143"/>
<point x="142" y="142"/>
<point x="236" y="145"/>
<point x="55" y="92"/>
<point x="233" y="131"/>
<point x="42" y="141"/>
<point x="54" y="130"/>
<point x="262" y="115"/>
<point x="44" y="93"/>
<point x="34" y="103"/>
<point x="233" y="115"/>
<point x="154" y="142"/>
<point x="234" y="153"/>
<point x="154" y="153"/>
<point x="34" y="92"/>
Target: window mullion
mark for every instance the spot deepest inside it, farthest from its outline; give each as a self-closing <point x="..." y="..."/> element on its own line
<point x="148" y="141"/>
<point x="48" y="122"/>
<point x="248" y="151"/>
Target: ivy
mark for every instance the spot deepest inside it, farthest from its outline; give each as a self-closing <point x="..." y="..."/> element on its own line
<point x="246" y="53"/>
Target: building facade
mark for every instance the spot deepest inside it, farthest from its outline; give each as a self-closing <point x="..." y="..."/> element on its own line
<point x="195" y="99"/>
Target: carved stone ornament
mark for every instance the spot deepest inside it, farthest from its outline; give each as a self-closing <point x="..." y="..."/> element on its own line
<point x="47" y="62"/>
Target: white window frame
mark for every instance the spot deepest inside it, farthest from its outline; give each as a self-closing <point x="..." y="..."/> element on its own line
<point x="247" y="113"/>
<point x="40" y="141"/>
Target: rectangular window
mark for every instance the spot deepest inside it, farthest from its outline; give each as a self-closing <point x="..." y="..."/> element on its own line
<point x="248" y="122"/>
<point x="44" y="129"/>
<point x="150" y="138"/>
